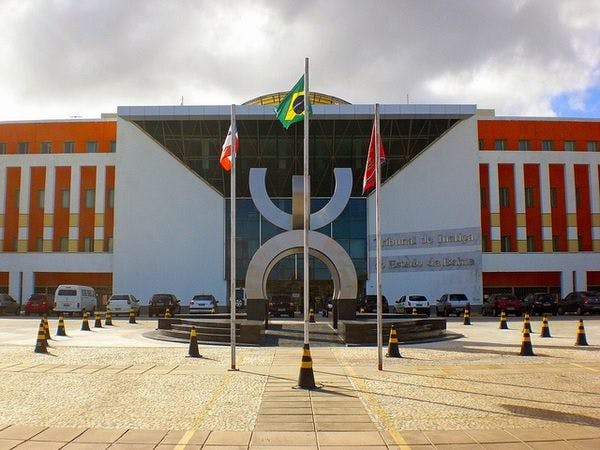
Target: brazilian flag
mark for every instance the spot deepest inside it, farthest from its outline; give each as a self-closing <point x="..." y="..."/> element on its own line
<point x="291" y="109"/>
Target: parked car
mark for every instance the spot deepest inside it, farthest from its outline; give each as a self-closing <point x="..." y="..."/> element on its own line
<point x="451" y="304"/>
<point x="8" y="305"/>
<point x="541" y="302"/>
<point x="203" y="303"/>
<point x="580" y="302"/>
<point x="240" y="298"/>
<point x="38" y="304"/>
<point x="406" y="303"/>
<point x="122" y="304"/>
<point x="281" y="304"/>
<point x="369" y="304"/>
<point x="496" y="303"/>
<point x="158" y="304"/>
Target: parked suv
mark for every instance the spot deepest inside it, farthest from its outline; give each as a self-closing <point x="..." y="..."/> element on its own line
<point x="8" y="305"/>
<point x="406" y="303"/>
<point x="160" y="302"/>
<point x="451" y="304"/>
<point x="369" y="304"/>
<point x="541" y="302"/>
<point x="580" y="302"/>
<point x="496" y="303"/>
<point x="38" y="304"/>
<point x="281" y="304"/>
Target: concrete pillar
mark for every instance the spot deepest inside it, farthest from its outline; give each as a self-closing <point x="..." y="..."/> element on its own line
<point x="74" y="209"/>
<point x="49" y="208"/>
<point x="595" y="206"/>
<point x="494" y="207"/>
<point x="27" y="285"/>
<point x="566" y="282"/>
<point x="99" y="209"/>
<point x="2" y="203"/>
<point x="571" y="203"/>
<point x="23" y="233"/>
<point x="546" y="207"/>
<point x="520" y="207"/>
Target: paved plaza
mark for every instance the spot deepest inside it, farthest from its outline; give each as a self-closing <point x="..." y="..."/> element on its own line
<point x="113" y="387"/>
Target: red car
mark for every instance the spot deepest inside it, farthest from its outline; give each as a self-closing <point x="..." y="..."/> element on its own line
<point x="497" y="303"/>
<point x="38" y="304"/>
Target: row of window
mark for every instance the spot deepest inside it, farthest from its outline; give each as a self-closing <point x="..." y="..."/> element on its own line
<point x="504" y="197"/>
<point x="65" y="198"/>
<point x="547" y="145"/>
<point x="87" y="244"/>
<point x="23" y="148"/>
<point x="506" y="243"/>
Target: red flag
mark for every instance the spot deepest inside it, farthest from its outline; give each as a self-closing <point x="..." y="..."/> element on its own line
<point x="226" y="152"/>
<point x="369" y="177"/>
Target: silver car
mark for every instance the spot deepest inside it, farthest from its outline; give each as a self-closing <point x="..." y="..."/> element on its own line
<point x="203" y="303"/>
<point x="122" y="304"/>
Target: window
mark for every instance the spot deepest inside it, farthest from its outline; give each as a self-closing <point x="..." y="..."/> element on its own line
<point x="592" y="146"/>
<point x="23" y="148"/>
<point x="569" y="146"/>
<point x="69" y="147"/>
<point x="2" y="148"/>
<point x="65" y="198"/>
<point x="88" y="244"/>
<point x="505" y="244"/>
<point x="523" y="145"/>
<point x="530" y="244"/>
<point x="39" y="244"/>
<point x="500" y="144"/>
<point x="41" y="194"/>
<point x="90" y="198"/>
<point x="63" y="244"/>
<point x="528" y="197"/>
<point x="483" y="196"/>
<point x="91" y="147"/>
<point x="111" y="198"/>
<point x="113" y="146"/>
<point x="555" y="243"/>
<point x="547" y="146"/>
<point x="504" y="197"/>
<point x="553" y="197"/>
<point x="46" y="147"/>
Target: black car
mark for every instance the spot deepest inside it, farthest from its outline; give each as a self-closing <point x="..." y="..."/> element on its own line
<point x="541" y="302"/>
<point x="580" y="302"/>
<point x="281" y="304"/>
<point x="369" y="304"/>
<point x="159" y="303"/>
<point x="8" y="305"/>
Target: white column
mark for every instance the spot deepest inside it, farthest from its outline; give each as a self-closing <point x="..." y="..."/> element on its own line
<point x="580" y="280"/>
<point x="99" y="209"/>
<point x="27" y="285"/>
<point x="49" y="193"/>
<point x="14" y="286"/>
<point x="520" y="207"/>
<point x="566" y="283"/>
<point x="2" y="202"/>
<point x="494" y="206"/>
<point x="595" y="205"/>
<point x="546" y="207"/>
<point x="571" y="205"/>
<point x="74" y="209"/>
<point x="23" y="233"/>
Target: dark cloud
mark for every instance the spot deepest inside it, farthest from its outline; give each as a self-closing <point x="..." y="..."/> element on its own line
<point x="89" y="56"/>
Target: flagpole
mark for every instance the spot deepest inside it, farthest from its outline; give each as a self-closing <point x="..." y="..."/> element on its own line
<point x="232" y="275"/>
<point x="306" y="202"/>
<point x="378" y="238"/>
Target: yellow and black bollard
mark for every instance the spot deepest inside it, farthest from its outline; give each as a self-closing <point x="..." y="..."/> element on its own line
<point x="545" y="328"/>
<point x="306" y="379"/>
<point x="97" y="320"/>
<point x="41" y="345"/>
<point x="132" y="315"/>
<point x="581" y="339"/>
<point x="85" y="325"/>
<point x="46" y="327"/>
<point x="311" y="315"/>
<point x="526" y="323"/>
<point x="393" y="350"/>
<point x="167" y="313"/>
<point x="467" y="317"/>
<point x="60" y="331"/>
<point x="414" y="311"/>
<point x="108" y="318"/>
<point x="503" y="322"/>
<point x="193" y="349"/>
<point x="526" y="348"/>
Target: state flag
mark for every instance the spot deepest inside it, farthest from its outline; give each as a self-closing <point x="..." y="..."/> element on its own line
<point x="369" y="176"/>
<point x="226" y="152"/>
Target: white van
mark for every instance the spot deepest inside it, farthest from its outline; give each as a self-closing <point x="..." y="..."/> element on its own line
<point x="74" y="299"/>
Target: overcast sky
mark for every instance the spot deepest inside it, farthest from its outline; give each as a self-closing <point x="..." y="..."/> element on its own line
<point x="80" y="58"/>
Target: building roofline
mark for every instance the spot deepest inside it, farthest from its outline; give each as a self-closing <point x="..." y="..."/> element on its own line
<point x="78" y="120"/>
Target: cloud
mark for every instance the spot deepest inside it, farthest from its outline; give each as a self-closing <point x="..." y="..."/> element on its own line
<point x="84" y="57"/>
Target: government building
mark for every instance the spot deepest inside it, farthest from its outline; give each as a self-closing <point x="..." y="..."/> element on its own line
<point x="138" y="203"/>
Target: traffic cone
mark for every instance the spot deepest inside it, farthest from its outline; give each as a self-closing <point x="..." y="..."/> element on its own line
<point x="108" y="318"/>
<point x="41" y="345"/>
<point x="414" y="311"/>
<point x="526" y="348"/>
<point x="545" y="327"/>
<point x="467" y="317"/>
<point x="46" y="327"/>
<point x="97" y="320"/>
<point x="526" y="323"/>
<point x="167" y="314"/>
<point x="503" y="322"/>
<point x="306" y="379"/>
<point x="393" y="351"/>
<point x="60" y="331"/>
<point x="581" y="340"/>
<point x="85" y="326"/>
<point x="193" y="350"/>
<point x="311" y="315"/>
<point x="132" y="315"/>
